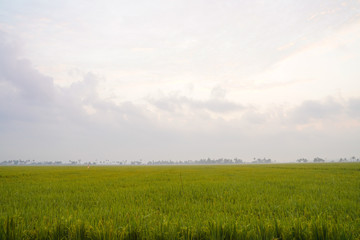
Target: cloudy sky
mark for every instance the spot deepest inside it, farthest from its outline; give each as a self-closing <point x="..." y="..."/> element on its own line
<point x="179" y="80"/>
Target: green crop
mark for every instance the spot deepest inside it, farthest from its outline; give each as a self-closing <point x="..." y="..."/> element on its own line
<point x="278" y="201"/>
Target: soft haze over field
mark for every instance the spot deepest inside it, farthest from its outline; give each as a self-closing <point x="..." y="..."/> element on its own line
<point x="179" y="80"/>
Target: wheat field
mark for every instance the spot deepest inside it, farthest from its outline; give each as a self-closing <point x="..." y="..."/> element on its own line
<point x="275" y="201"/>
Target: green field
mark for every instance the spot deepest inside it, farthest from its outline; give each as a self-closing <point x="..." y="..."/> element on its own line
<point x="278" y="201"/>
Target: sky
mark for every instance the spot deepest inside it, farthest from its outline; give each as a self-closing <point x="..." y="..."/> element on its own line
<point x="179" y="80"/>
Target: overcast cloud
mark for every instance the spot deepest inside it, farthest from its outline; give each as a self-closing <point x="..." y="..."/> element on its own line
<point x="179" y="80"/>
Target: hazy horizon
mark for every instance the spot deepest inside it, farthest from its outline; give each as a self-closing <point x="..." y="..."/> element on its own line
<point x="179" y="80"/>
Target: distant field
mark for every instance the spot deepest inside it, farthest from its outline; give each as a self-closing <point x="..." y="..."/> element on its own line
<point x="278" y="201"/>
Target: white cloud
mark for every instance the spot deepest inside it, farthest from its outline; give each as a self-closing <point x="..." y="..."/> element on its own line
<point x="314" y="110"/>
<point x="178" y="79"/>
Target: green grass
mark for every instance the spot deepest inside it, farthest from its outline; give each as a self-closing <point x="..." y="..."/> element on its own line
<point x="279" y="201"/>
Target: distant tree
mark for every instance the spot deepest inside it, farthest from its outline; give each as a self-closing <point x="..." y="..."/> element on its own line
<point x="318" y="160"/>
<point x="302" y="160"/>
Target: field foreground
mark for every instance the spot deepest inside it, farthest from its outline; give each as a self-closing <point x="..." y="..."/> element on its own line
<point x="279" y="201"/>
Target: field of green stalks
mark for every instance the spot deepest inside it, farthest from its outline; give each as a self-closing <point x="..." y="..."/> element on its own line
<point x="276" y="201"/>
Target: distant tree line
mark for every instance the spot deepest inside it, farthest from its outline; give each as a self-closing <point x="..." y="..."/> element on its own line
<point x="259" y="160"/>
<point x="195" y="162"/>
<point x="29" y="162"/>
<point x="107" y="162"/>
<point x="169" y="162"/>
<point x="321" y="160"/>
